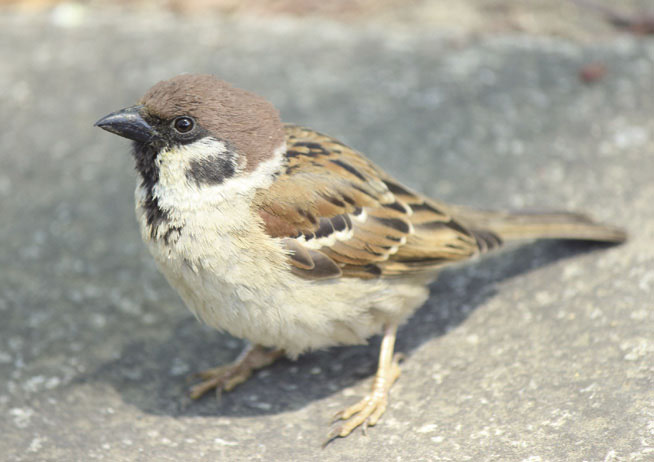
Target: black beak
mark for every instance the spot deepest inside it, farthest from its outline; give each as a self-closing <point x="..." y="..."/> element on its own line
<point x="128" y="123"/>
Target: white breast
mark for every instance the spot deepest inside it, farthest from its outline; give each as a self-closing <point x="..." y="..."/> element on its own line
<point x="235" y="277"/>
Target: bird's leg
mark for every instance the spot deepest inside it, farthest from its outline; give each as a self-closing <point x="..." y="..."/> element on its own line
<point x="368" y="411"/>
<point x="226" y="377"/>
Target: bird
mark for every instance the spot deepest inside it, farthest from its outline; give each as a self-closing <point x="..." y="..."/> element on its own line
<point x="292" y="240"/>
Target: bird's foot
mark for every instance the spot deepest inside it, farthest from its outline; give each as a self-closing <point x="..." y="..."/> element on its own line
<point x="367" y="412"/>
<point x="230" y="375"/>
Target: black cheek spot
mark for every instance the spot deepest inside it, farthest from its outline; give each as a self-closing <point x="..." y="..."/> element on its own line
<point x="211" y="170"/>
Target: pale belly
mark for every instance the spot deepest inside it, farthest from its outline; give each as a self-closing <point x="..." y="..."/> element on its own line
<point x="240" y="281"/>
<point x="278" y="309"/>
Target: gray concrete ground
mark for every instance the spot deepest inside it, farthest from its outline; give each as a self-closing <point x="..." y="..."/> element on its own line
<point x="543" y="352"/>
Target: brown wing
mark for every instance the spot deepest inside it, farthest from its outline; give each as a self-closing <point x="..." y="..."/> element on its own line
<point x="340" y="215"/>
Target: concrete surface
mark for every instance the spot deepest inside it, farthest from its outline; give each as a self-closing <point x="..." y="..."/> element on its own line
<point x="541" y="353"/>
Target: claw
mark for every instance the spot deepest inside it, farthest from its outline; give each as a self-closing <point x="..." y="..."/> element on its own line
<point x="336" y="417"/>
<point x="332" y="435"/>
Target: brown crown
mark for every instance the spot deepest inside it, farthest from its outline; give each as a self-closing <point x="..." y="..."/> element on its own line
<point x="248" y="122"/>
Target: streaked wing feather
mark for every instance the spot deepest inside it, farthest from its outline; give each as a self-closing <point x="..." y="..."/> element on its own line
<point x="340" y="215"/>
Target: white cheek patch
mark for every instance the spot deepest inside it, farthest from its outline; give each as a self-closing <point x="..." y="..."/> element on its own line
<point x="207" y="173"/>
<point x="262" y="177"/>
<point x="190" y="163"/>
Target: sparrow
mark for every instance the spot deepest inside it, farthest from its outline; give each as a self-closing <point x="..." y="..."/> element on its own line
<point x="289" y="238"/>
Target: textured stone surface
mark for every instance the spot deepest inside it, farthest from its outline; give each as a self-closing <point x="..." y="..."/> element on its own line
<point x="543" y="352"/>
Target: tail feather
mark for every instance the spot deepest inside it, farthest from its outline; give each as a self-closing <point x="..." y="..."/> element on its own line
<point x="538" y="225"/>
<point x="486" y="240"/>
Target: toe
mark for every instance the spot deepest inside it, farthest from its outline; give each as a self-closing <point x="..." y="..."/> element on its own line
<point x="201" y="388"/>
<point x="377" y="413"/>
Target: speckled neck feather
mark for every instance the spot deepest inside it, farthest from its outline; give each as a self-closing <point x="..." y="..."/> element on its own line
<point x="250" y="124"/>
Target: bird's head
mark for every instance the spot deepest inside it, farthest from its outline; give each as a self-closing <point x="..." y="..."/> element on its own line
<point x="197" y="131"/>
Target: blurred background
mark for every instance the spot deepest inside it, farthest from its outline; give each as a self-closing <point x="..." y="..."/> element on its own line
<point x="581" y="19"/>
<point x="541" y="353"/>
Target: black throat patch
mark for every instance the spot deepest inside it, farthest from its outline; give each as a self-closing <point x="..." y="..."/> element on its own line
<point x="145" y="155"/>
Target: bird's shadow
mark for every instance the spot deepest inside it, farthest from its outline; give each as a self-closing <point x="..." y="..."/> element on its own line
<point x="153" y="376"/>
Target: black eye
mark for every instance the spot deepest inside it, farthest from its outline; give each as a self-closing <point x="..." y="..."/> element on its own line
<point x="183" y="124"/>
